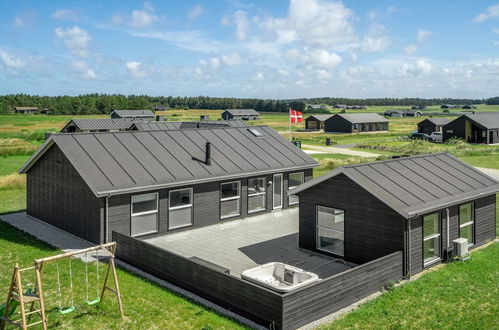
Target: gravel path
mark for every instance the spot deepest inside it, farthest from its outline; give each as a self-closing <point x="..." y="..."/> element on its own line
<point x="342" y="151"/>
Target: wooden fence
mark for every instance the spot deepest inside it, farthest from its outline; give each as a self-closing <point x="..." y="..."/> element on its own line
<point x="263" y="306"/>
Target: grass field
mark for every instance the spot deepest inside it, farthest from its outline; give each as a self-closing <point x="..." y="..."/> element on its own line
<point x="425" y="303"/>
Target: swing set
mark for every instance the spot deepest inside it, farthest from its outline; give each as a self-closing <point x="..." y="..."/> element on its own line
<point x="18" y="298"/>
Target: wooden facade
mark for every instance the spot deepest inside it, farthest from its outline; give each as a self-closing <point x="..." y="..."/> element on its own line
<point x="268" y="308"/>
<point x="372" y="229"/>
<point x="240" y="114"/>
<point x="206" y="205"/>
<point x="470" y="131"/>
<point x="428" y="126"/>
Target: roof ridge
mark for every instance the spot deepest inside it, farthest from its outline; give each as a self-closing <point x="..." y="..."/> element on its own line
<point x="396" y="159"/>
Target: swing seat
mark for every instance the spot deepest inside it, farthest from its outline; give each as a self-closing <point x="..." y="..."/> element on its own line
<point x="93" y="302"/>
<point x="68" y="310"/>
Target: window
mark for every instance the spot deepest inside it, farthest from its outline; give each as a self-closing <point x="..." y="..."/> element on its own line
<point x="294" y="180"/>
<point x="467" y="222"/>
<point x="330" y="229"/>
<point x="257" y="195"/>
<point x="431" y="238"/>
<point x="179" y="208"/>
<point x="256" y="132"/>
<point x="144" y="214"/>
<point x="230" y="199"/>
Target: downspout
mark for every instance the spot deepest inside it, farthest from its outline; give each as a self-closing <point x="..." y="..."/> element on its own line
<point x="106" y="224"/>
<point x="408" y="248"/>
<point x="447" y="215"/>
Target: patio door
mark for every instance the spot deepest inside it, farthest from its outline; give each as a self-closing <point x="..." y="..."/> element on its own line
<point x="277" y="189"/>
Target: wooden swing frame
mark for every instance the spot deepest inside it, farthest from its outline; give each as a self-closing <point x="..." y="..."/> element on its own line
<point x="16" y="290"/>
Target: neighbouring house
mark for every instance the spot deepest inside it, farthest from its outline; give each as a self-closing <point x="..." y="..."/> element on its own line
<point x="26" y="110"/>
<point x="418" y="107"/>
<point x="393" y="113"/>
<point x="403" y="113"/>
<point x="312" y="107"/>
<point x="474" y="128"/>
<point x="431" y="125"/>
<point x="340" y="106"/>
<point x="172" y="125"/>
<point x="468" y="106"/>
<point x="97" y="125"/>
<point x="316" y="122"/>
<point x="356" y="123"/>
<point x="141" y="183"/>
<point x="418" y="205"/>
<point x="241" y="114"/>
<point x="448" y="106"/>
<point x="133" y="114"/>
<point x="160" y="108"/>
<point x="45" y="111"/>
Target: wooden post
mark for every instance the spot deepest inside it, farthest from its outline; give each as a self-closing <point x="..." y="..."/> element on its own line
<point x="9" y="298"/>
<point x="38" y="274"/>
<point x="117" y="287"/>
<point x="21" y="296"/>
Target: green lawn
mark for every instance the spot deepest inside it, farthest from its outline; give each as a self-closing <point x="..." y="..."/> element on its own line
<point x="146" y="305"/>
<point x="10" y="164"/>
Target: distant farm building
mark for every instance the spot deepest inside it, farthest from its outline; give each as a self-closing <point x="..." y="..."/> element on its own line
<point x="133" y="114"/>
<point x="431" y="125"/>
<point x="241" y="114"/>
<point x="97" y="125"/>
<point x="468" y="106"/>
<point x="316" y="107"/>
<point x="26" y="110"/>
<point x="448" y="106"/>
<point x="356" y="123"/>
<point x="316" y="122"/>
<point x="474" y="128"/>
<point x="160" y="108"/>
<point x="340" y="106"/>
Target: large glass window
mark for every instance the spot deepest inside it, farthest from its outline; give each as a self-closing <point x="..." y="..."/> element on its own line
<point x="180" y="208"/>
<point x="257" y="195"/>
<point x="144" y="214"/>
<point x="467" y="222"/>
<point x="330" y="229"/>
<point x="230" y="199"/>
<point x="431" y="237"/>
<point x="294" y="180"/>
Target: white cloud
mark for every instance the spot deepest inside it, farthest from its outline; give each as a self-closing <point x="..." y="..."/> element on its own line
<point x="195" y="12"/>
<point x="66" y="14"/>
<point x="424" y="66"/>
<point x="136" y="70"/>
<point x="232" y="59"/>
<point x="375" y="44"/>
<point x="240" y="19"/>
<point x="75" y="39"/>
<point x="491" y="12"/>
<point x="496" y="31"/>
<point x="19" y="21"/>
<point x="423" y="35"/>
<point x="323" y="74"/>
<point x="258" y="76"/>
<point x="411" y="49"/>
<point x="325" y="59"/>
<point x="11" y="61"/>
<point x="214" y="62"/>
<point x="144" y="17"/>
<point x="81" y="70"/>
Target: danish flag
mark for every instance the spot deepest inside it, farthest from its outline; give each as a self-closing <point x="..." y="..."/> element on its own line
<point x="295" y="116"/>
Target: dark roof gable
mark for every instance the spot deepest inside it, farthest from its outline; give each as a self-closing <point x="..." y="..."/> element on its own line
<point x="243" y="112"/>
<point x="416" y="185"/>
<point x="133" y="161"/>
<point x="358" y="118"/>
<point x="133" y="113"/>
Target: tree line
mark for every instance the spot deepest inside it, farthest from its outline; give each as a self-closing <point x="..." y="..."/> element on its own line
<point x="106" y="103"/>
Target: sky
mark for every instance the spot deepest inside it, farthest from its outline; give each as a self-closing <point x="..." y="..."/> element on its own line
<point x="244" y="48"/>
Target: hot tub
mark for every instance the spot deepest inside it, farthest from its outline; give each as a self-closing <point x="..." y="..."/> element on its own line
<point x="279" y="276"/>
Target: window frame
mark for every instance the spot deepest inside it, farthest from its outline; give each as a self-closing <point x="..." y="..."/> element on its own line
<point x="317" y="226"/>
<point x="191" y="206"/>
<point x="302" y="182"/>
<point x="144" y="213"/>
<point x="256" y="194"/>
<point x="238" y="197"/>
<point x="472" y="222"/>
<point x="438" y="258"/>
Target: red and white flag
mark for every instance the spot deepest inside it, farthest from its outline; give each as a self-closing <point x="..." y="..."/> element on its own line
<point x="295" y="116"/>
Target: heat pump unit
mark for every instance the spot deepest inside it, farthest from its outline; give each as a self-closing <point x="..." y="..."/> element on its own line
<point x="460" y="247"/>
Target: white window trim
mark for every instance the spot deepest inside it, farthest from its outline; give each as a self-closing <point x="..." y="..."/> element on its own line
<point x="281" y="187"/>
<point x="144" y="213"/>
<point x="302" y="181"/>
<point x="471" y="222"/>
<point x="257" y="194"/>
<point x="317" y="246"/>
<point x="238" y="197"/>
<point x="191" y="195"/>
<point x="427" y="238"/>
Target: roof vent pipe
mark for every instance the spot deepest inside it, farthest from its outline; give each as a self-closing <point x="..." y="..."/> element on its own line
<point x="208" y="154"/>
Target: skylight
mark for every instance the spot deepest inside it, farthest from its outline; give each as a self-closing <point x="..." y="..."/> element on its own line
<point x="256" y="132"/>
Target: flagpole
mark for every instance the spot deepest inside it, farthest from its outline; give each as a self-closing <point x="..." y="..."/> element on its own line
<point x="289" y="123"/>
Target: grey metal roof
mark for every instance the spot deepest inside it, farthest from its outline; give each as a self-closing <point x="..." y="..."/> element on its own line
<point x="320" y="117"/>
<point x="100" y="123"/>
<point x="169" y="125"/>
<point x="416" y="185"/>
<point x="133" y="113"/>
<point x="243" y="112"/>
<point x="489" y="120"/>
<point x="132" y="161"/>
<point x="358" y="118"/>
<point x="437" y="121"/>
